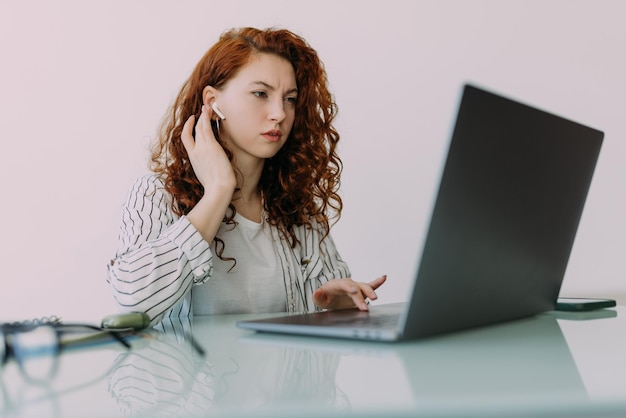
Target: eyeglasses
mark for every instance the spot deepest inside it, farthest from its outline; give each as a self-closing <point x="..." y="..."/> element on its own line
<point x="35" y="347"/>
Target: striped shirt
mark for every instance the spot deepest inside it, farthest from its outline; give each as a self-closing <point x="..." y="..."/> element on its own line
<point x="161" y="256"/>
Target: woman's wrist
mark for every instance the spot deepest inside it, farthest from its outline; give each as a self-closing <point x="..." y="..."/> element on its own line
<point x="209" y="212"/>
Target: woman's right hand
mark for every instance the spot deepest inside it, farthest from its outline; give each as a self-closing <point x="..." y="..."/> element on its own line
<point x="214" y="171"/>
<point x="208" y="159"/>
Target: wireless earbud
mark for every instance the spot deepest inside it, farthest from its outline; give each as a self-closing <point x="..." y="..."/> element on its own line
<point x="217" y="111"/>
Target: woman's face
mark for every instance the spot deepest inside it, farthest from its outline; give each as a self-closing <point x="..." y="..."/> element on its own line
<point x="259" y="104"/>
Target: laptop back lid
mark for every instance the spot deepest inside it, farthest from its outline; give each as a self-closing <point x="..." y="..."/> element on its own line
<point x="503" y="224"/>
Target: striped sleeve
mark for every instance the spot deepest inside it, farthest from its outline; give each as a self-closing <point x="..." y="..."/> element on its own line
<point x="321" y="262"/>
<point x="160" y="256"/>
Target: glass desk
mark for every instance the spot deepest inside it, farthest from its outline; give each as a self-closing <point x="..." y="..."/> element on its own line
<point x="555" y="364"/>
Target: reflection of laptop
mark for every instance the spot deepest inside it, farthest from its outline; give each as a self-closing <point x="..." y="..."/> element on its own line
<point x="483" y="367"/>
<point x="502" y="228"/>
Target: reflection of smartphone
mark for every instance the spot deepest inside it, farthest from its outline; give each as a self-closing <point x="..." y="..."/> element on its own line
<point x="583" y="304"/>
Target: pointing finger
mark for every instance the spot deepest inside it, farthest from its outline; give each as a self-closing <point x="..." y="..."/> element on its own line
<point x="375" y="284"/>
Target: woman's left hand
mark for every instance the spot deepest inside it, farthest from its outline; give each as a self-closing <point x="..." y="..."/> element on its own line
<point x="346" y="293"/>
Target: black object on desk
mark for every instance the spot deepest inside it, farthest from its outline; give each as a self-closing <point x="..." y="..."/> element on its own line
<point x="583" y="304"/>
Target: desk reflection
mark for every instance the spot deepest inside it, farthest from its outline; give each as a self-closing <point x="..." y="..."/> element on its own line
<point x="520" y="363"/>
<point x="164" y="376"/>
<point x="521" y="368"/>
<point x="243" y="372"/>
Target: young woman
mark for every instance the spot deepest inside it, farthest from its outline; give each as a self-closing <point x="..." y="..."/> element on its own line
<point x="236" y="216"/>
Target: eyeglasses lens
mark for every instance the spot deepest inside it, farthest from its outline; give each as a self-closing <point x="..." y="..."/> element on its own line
<point x="36" y="352"/>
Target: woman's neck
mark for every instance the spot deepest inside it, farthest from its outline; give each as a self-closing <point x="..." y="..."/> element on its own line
<point x="247" y="197"/>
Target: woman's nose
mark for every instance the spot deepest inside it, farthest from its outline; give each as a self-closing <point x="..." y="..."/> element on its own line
<point x="277" y="110"/>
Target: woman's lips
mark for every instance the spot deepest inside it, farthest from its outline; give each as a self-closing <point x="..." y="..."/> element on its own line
<point x="273" y="136"/>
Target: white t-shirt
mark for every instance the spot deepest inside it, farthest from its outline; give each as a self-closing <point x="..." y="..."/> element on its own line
<point x="254" y="284"/>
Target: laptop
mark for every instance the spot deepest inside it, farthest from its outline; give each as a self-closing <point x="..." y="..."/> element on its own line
<point x="503" y="224"/>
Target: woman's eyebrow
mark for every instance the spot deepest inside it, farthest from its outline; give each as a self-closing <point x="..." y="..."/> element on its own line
<point x="272" y="88"/>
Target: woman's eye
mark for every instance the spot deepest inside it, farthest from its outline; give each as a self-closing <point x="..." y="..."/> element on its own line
<point x="260" y="94"/>
<point x="291" y="100"/>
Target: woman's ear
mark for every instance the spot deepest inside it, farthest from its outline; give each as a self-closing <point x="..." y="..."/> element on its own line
<point x="208" y="95"/>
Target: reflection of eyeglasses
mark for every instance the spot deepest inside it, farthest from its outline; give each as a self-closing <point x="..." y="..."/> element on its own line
<point x="35" y="347"/>
<point x="37" y="399"/>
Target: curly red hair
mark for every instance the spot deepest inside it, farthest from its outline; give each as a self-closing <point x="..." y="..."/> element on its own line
<point x="300" y="183"/>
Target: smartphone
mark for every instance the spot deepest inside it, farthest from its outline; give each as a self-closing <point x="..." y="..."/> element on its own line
<point x="583" y="304"/>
